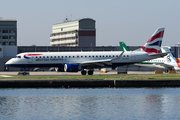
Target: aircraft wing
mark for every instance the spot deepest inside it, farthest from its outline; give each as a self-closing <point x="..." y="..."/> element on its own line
<point x="158" y="65"/>
<point x="164" y="65"/>
<point x="100" y="62"/>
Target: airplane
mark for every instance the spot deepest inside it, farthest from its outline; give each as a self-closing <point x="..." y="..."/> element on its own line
<point x="86" y="62"/>
<point x="168" y="62"/>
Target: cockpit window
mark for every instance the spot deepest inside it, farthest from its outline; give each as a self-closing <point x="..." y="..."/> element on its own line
<point x="17" y="57"/>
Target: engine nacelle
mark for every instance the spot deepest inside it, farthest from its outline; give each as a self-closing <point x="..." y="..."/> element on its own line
<point x="71" y="68"/>
<point x="58" y="69"/>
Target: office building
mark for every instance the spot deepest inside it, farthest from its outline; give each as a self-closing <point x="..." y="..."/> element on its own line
<point x="8" y="32"/>
<point x="80" y="33"/>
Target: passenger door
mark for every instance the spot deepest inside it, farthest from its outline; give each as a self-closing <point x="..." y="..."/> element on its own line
<point x="133" y="56"/>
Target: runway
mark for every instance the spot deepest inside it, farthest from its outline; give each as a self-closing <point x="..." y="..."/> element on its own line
<point x="47" y="73"/>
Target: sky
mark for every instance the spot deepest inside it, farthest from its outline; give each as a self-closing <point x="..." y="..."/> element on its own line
<point x="131" y="21"/>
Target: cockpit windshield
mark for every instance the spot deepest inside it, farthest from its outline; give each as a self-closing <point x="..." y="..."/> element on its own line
<point x="17" y="57"/>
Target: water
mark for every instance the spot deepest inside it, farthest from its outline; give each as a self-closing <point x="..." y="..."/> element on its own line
<point x="88" y="104"/>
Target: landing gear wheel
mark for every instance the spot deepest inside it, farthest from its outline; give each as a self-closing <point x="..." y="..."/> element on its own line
<point x="24" y="73"/>
<point x="90" y="72"/>
<point x="83" y="72"/>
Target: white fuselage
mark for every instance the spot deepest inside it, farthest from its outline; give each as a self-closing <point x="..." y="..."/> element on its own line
<point x="84" y="59"/>
<point x="160" y="63"/>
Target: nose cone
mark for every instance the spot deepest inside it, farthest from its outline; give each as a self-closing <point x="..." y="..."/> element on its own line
<point x="9" y="62"/>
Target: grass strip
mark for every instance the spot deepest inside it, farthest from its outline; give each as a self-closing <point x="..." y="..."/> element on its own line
<point x="104" y="77"/>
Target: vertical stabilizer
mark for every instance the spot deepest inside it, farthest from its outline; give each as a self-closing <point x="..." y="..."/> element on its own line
<point x="123" y="46"/>
<point x="154" y="43"/>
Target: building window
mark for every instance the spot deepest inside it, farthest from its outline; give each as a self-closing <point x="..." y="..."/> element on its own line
<point x="5" y="37"/>
<point x="61" y="29"/>
<point x="5" y="31"/>
<point x="12" y="43"/>
<point x="11" y="31"/>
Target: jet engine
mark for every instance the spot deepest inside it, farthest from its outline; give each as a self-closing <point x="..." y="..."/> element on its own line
<point x="71" y="68"/>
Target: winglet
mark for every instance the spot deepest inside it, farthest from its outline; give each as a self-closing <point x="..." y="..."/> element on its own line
<point x="118" y="56"/>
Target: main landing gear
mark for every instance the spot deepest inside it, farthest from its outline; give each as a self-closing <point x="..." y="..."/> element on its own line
<point x="90" y="72"/>
<point x="23" y="72"/>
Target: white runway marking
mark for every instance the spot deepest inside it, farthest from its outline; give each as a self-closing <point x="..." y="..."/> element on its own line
<point x="5" y="76"/>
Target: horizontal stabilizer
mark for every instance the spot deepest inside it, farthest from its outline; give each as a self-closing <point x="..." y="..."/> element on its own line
<point x="159" y="54"/>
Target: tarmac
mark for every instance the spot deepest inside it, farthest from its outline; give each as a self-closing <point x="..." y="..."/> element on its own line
<point x="71" y="83"/>
<point x="53" y="73"/>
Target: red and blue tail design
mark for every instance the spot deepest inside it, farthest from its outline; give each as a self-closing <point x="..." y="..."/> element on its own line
<point x="154" y="43"/>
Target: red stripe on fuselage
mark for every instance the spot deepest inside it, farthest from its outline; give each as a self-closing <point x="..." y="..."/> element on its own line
<point x="159" y="35"/>
<point x="32" y="54"/>
<point x="150" y="50"/>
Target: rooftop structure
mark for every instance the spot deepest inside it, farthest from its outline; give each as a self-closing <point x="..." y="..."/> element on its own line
<point x="80" y="33"/>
